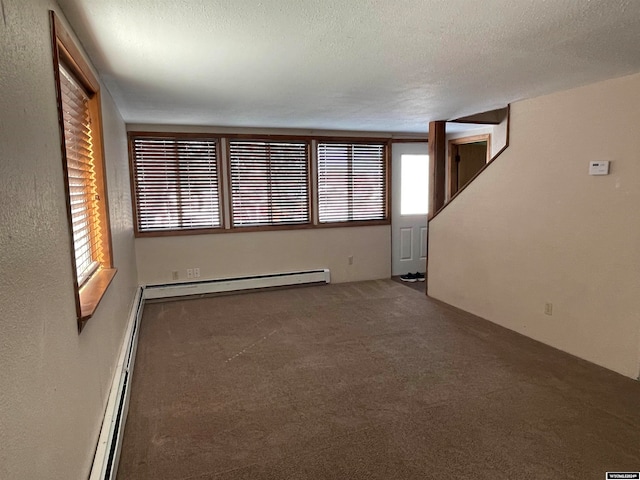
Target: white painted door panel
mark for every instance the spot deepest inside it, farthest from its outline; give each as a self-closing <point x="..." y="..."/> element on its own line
<point x="408" y="232"/>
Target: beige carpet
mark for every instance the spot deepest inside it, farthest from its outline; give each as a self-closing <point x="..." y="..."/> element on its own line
<point x="368" y="380"/>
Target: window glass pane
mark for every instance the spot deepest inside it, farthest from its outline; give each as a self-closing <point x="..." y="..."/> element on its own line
<point x="414" y="188"/>
<point x="81" y="175"/>
<point x="269" y="183"/>
<point x="351" y="182"/>
<point x="176" y="182"/>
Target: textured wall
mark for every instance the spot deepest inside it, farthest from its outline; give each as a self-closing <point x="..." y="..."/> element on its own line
<point x="53" y="381"/>
<point x="536" y="228"/>
<point x="252" y="253"/>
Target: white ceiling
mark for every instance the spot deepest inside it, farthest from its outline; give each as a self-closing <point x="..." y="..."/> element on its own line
<point x="371" y="65"/>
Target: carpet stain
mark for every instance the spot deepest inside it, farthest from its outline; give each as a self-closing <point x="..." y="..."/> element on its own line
<point x="245" y="350"/>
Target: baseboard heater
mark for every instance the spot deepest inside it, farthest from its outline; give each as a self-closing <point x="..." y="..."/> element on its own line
<point x="107" y="455"/>
<point x="237" y="283"/>
<point x="105" y="461"/>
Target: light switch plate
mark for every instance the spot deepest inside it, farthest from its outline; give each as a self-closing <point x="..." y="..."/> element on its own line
<point x="600" y="167"/>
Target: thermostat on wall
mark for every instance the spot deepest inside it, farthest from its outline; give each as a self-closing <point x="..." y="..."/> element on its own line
<point x="599" y="168"/>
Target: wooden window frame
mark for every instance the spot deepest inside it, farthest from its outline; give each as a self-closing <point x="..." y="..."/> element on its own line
<point x="131" y="136"/>
<point x="65" y="52"/>
<point x="386" y="142"/>
<point x="276" y="139"/>
<point x="225" y="180"/>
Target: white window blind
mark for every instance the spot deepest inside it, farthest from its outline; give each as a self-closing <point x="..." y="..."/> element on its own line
<point x="352" y="182"/>
<point x="81" y="176"/>
<point x="269" y="182"/>
<point x="176" y="183"/>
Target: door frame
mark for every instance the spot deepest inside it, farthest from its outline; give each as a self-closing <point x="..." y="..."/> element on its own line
<point x="395" y="191"/>
<point x="452" y="168"/>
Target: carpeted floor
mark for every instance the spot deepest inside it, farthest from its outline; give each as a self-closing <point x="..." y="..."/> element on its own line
<point x="368" y="380"/>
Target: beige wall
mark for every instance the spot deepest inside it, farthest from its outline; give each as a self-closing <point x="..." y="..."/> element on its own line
<point x="536" y="228"/>
<point x="53" y="381"/>
<point x="251" y="253"/>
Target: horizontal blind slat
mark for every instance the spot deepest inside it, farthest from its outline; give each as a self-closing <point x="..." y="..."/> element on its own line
<point x="81" y="178"/>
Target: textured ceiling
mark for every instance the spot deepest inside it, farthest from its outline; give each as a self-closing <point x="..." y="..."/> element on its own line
<point x="376" y="65"/>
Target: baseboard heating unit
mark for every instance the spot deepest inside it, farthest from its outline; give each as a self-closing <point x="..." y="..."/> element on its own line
<point x="105" y="460"/>
<point x="236" y="283"/>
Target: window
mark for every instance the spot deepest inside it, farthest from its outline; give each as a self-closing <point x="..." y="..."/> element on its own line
<point x="175" y="183"/>
<point x="269" y="183"/>
<point x="81" y="140"/>
<point x="352" y="182"/>
<point x="185" y="183"/>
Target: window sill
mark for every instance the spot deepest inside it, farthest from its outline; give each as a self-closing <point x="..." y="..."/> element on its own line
<point x="265" y="228"/>
<point x="92" y="292"/>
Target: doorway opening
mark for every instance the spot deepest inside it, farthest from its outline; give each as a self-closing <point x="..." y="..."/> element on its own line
<point x="467" y="156"/>
<point x="410" y="205"/>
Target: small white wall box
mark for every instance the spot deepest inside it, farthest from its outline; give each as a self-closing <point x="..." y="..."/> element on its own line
<point x="600" y="167"/>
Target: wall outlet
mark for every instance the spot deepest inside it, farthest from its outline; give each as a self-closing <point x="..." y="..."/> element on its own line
<point x="196" y="272"/>
<point x="548" y="308"/>
<point x="174" y="275"/>
<point x="350" y="259"/>
<point x="189" y="272"/>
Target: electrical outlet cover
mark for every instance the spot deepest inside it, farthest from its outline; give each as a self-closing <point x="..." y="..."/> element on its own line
<point x="599" y="168"/>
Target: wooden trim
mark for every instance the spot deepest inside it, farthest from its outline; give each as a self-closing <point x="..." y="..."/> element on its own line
<point x="265" y="228"/>
<point x="222" y="198"/>
<point x="310" y="183"/>
<point x="228" y="173"/>
<point x="483" y="168"/>
<point x="133" y="184"/>
<point x="410" y="140"/>
<point x="92" y="293"/>
<point x="173" y="233"/>
<point x="476" y="122"/>
<point x="95" y="108"/>
<point x="70" y="54"/>
<point x="437" y="157"/>
<point x="66" y="52"/>
<point x="354" y="223"/>
<point x="308" y="138"/>
<point x="173" y="135"/>
<point x="387" y="165"/>
<point x="267" y="137"/>
<point x="55" y="28"/>
<point x="473" y="139"/>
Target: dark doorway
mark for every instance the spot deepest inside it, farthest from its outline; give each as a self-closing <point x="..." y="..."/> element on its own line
<point x="467" y="156"/>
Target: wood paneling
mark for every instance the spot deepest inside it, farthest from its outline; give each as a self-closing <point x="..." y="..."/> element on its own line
<point x="438" y="165"/>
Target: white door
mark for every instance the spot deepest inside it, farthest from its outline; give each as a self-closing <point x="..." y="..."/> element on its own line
<point x="409" y="207"/>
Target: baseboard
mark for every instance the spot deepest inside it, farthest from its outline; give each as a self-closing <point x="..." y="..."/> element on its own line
<point x="236" y="283"/>
<point x="107" y="455"/>
<point x="105" y="462"/>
